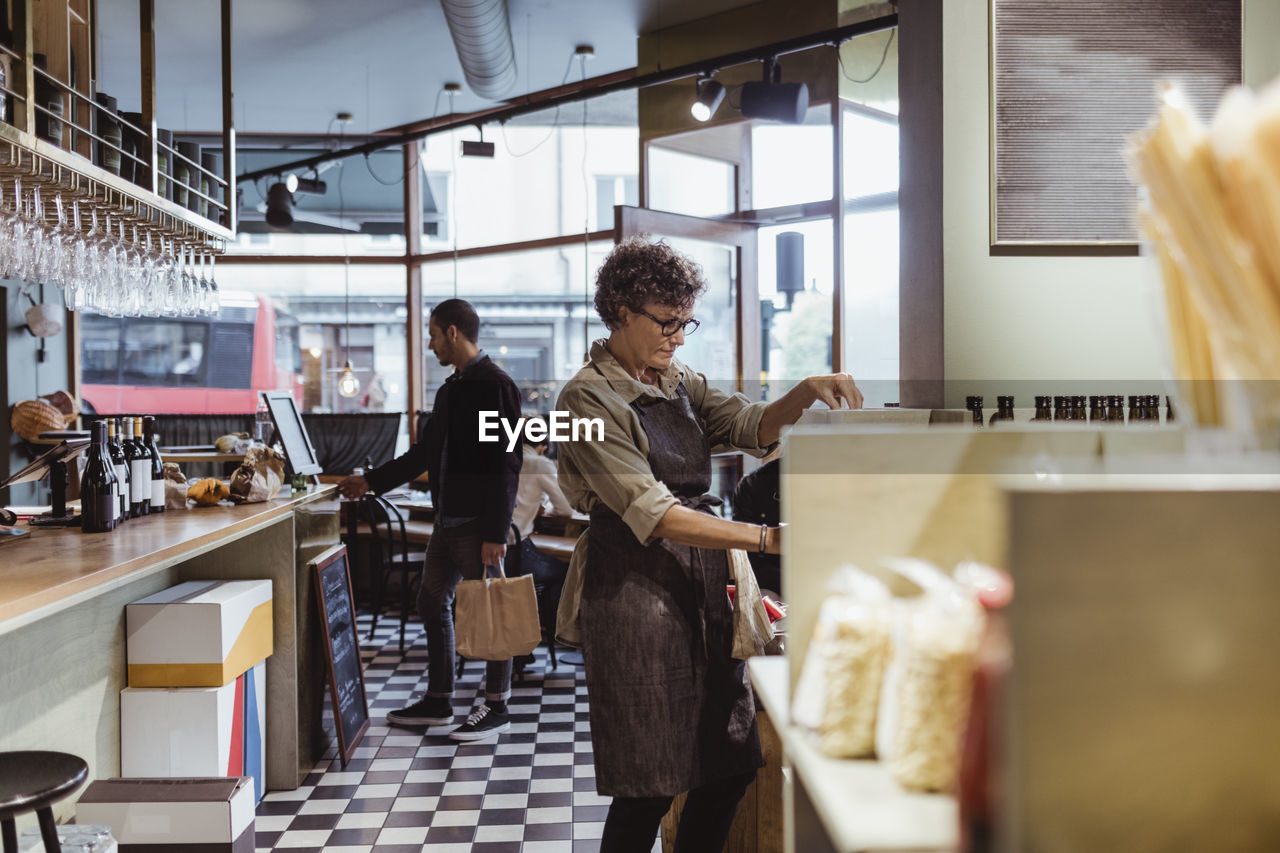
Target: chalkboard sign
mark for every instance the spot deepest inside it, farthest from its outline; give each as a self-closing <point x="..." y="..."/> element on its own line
<point x="298" y="451"/>
<point x="341" y="649"/>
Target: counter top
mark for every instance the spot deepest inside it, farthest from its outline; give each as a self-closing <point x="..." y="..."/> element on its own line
<point x="861" y="806"/>
<point x="55" y="568"/>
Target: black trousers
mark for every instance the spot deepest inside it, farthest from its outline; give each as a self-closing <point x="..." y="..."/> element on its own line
<point x="632" y="824"/>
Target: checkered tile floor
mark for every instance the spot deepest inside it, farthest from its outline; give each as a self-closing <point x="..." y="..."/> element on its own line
<point x="532" y="790"/>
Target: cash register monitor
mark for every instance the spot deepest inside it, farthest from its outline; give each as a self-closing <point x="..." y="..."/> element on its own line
<point x="292" y="432"/>
<point x="54" y="461"/>
<point x="63" y="452"/>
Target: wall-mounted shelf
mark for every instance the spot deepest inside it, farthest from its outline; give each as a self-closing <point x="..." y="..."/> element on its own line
<point x="74" y="156"/>
<point x="858" y="804"/>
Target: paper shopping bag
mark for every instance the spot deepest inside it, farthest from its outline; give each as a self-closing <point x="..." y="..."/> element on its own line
<point x="497" y="618"/>
<point x="752" y="629"/>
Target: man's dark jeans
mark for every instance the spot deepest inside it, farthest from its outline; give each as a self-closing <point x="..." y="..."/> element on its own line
<point x="453" y="554"/>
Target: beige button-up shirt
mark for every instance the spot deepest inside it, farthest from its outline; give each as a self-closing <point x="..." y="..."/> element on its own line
<point x="616" y="471"/>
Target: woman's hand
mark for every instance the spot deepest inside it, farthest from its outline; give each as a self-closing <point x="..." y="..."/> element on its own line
<point x="832" y="388"/>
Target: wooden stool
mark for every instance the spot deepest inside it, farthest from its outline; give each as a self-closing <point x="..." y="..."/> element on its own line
<point x="34" y="781"/>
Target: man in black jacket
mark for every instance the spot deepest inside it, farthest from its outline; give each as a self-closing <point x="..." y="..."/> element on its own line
<point x="473" y="489"/>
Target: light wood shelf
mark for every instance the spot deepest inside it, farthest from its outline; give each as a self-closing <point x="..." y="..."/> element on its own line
<point x="859" y="804"/>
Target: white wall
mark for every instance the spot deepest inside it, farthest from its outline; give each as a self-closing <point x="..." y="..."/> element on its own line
<point x="1040" y="318"/>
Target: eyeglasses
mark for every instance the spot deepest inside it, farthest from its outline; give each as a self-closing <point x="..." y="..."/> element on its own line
<point x="670" y="327"/>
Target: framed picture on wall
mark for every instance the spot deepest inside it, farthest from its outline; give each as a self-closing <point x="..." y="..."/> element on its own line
<point x="1069" y="84"/>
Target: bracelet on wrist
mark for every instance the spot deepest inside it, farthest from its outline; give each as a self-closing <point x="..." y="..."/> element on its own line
<point x="764" y="534"/>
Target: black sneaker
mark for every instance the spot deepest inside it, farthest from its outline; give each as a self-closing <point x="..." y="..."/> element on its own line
<point x="482" y="723"/>
<point x="427" y="711"/>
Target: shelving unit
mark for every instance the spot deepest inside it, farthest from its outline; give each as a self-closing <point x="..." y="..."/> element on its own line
<point x="63" y="30"/>
<point x="847" y="806"/>
<point x="858" y="492"/>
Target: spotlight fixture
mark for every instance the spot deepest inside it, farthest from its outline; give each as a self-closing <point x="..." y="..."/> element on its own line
<point x="314" y="186"/>
<point x="772" y="99"/>
<point x="710" y="94"/>
<point x="279" y="206"/>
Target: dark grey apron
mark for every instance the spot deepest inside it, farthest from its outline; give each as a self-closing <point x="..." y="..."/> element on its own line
<point x="670" y="709"/>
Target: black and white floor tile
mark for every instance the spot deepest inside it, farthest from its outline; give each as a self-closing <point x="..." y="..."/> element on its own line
<point x="531" y="790"/>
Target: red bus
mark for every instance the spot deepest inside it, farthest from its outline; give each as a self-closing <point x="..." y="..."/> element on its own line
<point x="190" y="365"/>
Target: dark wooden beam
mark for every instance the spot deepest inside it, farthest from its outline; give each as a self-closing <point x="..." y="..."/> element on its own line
<point x="147" y="60"/>
<point x="413" y="284"/>
<point x="228" y="122"/>
<point x="921" y="351"/>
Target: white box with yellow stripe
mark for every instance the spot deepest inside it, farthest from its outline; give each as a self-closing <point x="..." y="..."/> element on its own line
<point x="195" y="705"/>
<point x="198" y="634"/>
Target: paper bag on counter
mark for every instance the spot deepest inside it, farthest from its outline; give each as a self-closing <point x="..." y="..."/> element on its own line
<point x="175" y="487"/>
<point x="259" y="477"/>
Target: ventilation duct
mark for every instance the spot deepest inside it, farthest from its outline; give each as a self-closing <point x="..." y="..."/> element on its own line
<point x="481" y="31"/>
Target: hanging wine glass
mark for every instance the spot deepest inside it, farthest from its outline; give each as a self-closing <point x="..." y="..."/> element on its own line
<point x="171" y="276"/>
<point x="40" y="245"/>
<point x="77" y="267"/>
<point x="8" y="221"/>
<point x="208" y="299"/>
<point x="17" y="236"/>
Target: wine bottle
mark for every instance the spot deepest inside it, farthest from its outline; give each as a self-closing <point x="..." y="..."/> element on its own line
<point x="120" y="469"/>
<point x="98" y="501"/>
<point x="1115" y="408"/>
<point x="139" y="471"/>
<point x="157" y="464"/>
<point x="1043" y="412"/>
<point x="1004" y="409"/>
<point x="974" y="405"/>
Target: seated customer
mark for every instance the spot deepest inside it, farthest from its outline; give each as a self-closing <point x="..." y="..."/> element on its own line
<point x="539" y="484"/>
<point x="537" y="487"/>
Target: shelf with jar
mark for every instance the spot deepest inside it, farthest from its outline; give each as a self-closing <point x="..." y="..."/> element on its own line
<point x="66" y="125"/>
<point x="97" y="200"/>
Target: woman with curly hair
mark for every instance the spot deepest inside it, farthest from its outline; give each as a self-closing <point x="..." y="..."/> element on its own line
<point x="671" y="710"/>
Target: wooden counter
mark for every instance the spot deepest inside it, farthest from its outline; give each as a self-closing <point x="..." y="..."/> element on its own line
<point x="56" y="568"/>
<point x="62" y="625"/>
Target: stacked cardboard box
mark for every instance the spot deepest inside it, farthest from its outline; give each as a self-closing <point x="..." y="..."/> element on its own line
<point x="162" y="815"/>
<point x="196" y="700"/>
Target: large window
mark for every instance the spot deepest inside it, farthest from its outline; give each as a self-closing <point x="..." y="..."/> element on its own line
<point x="537" y="317"/>
<point x="312" y="317"/>
<point x="871" y="251"/>
<point x="797" y="293"/>
<point x="690" y="183"/>
<point x="791" y="164"/>
<point x="182" y="365"/>
<point x="548" y="176"/>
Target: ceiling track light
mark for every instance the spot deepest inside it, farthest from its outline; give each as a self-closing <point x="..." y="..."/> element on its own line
<point x="710" y="94"/>
<point x="770" y="98"/>
<point x="279" y="206"/>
